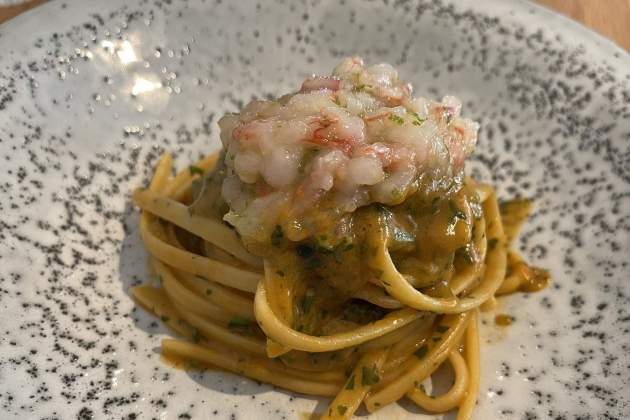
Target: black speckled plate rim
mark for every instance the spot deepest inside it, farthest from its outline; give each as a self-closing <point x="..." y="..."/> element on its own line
<point x="583" y="35"/>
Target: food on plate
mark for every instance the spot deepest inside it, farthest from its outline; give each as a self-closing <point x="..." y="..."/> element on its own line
<point x="335" y="246"/>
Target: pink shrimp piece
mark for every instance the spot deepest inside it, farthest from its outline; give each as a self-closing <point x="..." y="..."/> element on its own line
<point x="380" y="151"/>
<point x="252" y="131"/>
<point x="377" y="116"/>
<point x="393" y="156"/>
<point x="320" y="83"/>
<point x="341" y="133"/>
<point x="456" y="148"/>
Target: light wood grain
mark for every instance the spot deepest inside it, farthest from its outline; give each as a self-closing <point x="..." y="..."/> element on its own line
<point x="610" y="18"/>
<point x="7" y="12"/>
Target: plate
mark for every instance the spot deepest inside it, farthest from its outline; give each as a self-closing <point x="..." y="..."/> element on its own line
<point x="91" y="94"/>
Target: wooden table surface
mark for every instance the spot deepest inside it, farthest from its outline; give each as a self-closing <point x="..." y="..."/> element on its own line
<point x="610" y="18"/>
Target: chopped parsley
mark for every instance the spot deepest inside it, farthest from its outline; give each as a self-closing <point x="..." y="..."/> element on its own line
<point x="342" y="409"/>
<point x="422" y="351"/>
<point x="395" y="118"/>
<point x="312" y="263"/>
<point x="441" y="329"/>
<point x="195" y="170"/>
<point x="492" y="243"/>
<point x="374" y="251"/>
<point x="194" y="365"/>
<point x="276" y="236"/>
<point x="165" y="318"/>
<point x="240" y="326"/>
<point x="307" y="302"/>
<point x="416" y="119"/>
<point x="208" y="291"/>
<point x="457" y="213"/>
<point x="307" y="157"/>
<point x="464" y="253"/>
<point x="396" y="194"/>
<point x="304" y="251"/>
<point x="350" y="384"/>
<point x="280" y="273"/>
<point x="369" y="375"/>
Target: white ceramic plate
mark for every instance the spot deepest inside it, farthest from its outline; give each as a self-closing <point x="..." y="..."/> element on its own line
<point x="91" y="93"/>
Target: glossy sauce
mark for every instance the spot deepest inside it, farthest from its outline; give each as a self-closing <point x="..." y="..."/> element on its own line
<point x="503" y="320"/>
<point x="536" y="281"/>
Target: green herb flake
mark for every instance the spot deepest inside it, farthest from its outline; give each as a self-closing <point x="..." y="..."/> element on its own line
<point x="276" y="236"/>
<point x="280" y="273"/>
<point x="396" y="194"/>
<point x="307" y="302"/>
<point x="377" y="404"/>
<point x="240" y="326"/>
<point x="348" y="247"/>
<point x="377" y="273"/>
<point x="436" y="339"/>
<point x="341" y="409"/>
<point x="312" y="263"/>
<point x="350" y="384"/>
<point x="165" y="318"/>
<point x="208" y="291"/>
<point x="395" y="118"/>
<point x="369" y="375"/>
<point x="194" y="365"/>
<point x="441" y="329"/>
<point x="492" y="243"/>
<point x="457" y="213"/>
<point x="422" y="351"/>
<point x="416" y="119"/>
<point x="195" y="170"/>
<point x="464" y="253"/>
<point x="374" y="251"/>
<point x="196" y="336"/>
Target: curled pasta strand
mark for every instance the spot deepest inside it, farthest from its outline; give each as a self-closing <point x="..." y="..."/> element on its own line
<point x="453" y="396"/>
<point x="281" y="333"/>
<point x="397" y="286"/>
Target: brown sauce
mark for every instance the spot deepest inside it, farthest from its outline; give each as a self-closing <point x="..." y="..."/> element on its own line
<point x="503" y="320"/>
<point x="537" y="280"/>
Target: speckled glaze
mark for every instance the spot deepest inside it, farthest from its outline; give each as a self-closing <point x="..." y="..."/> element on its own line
<point x="92" y="92"/>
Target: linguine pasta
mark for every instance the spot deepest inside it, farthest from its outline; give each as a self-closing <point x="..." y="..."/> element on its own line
<point x="359" y="289"/>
